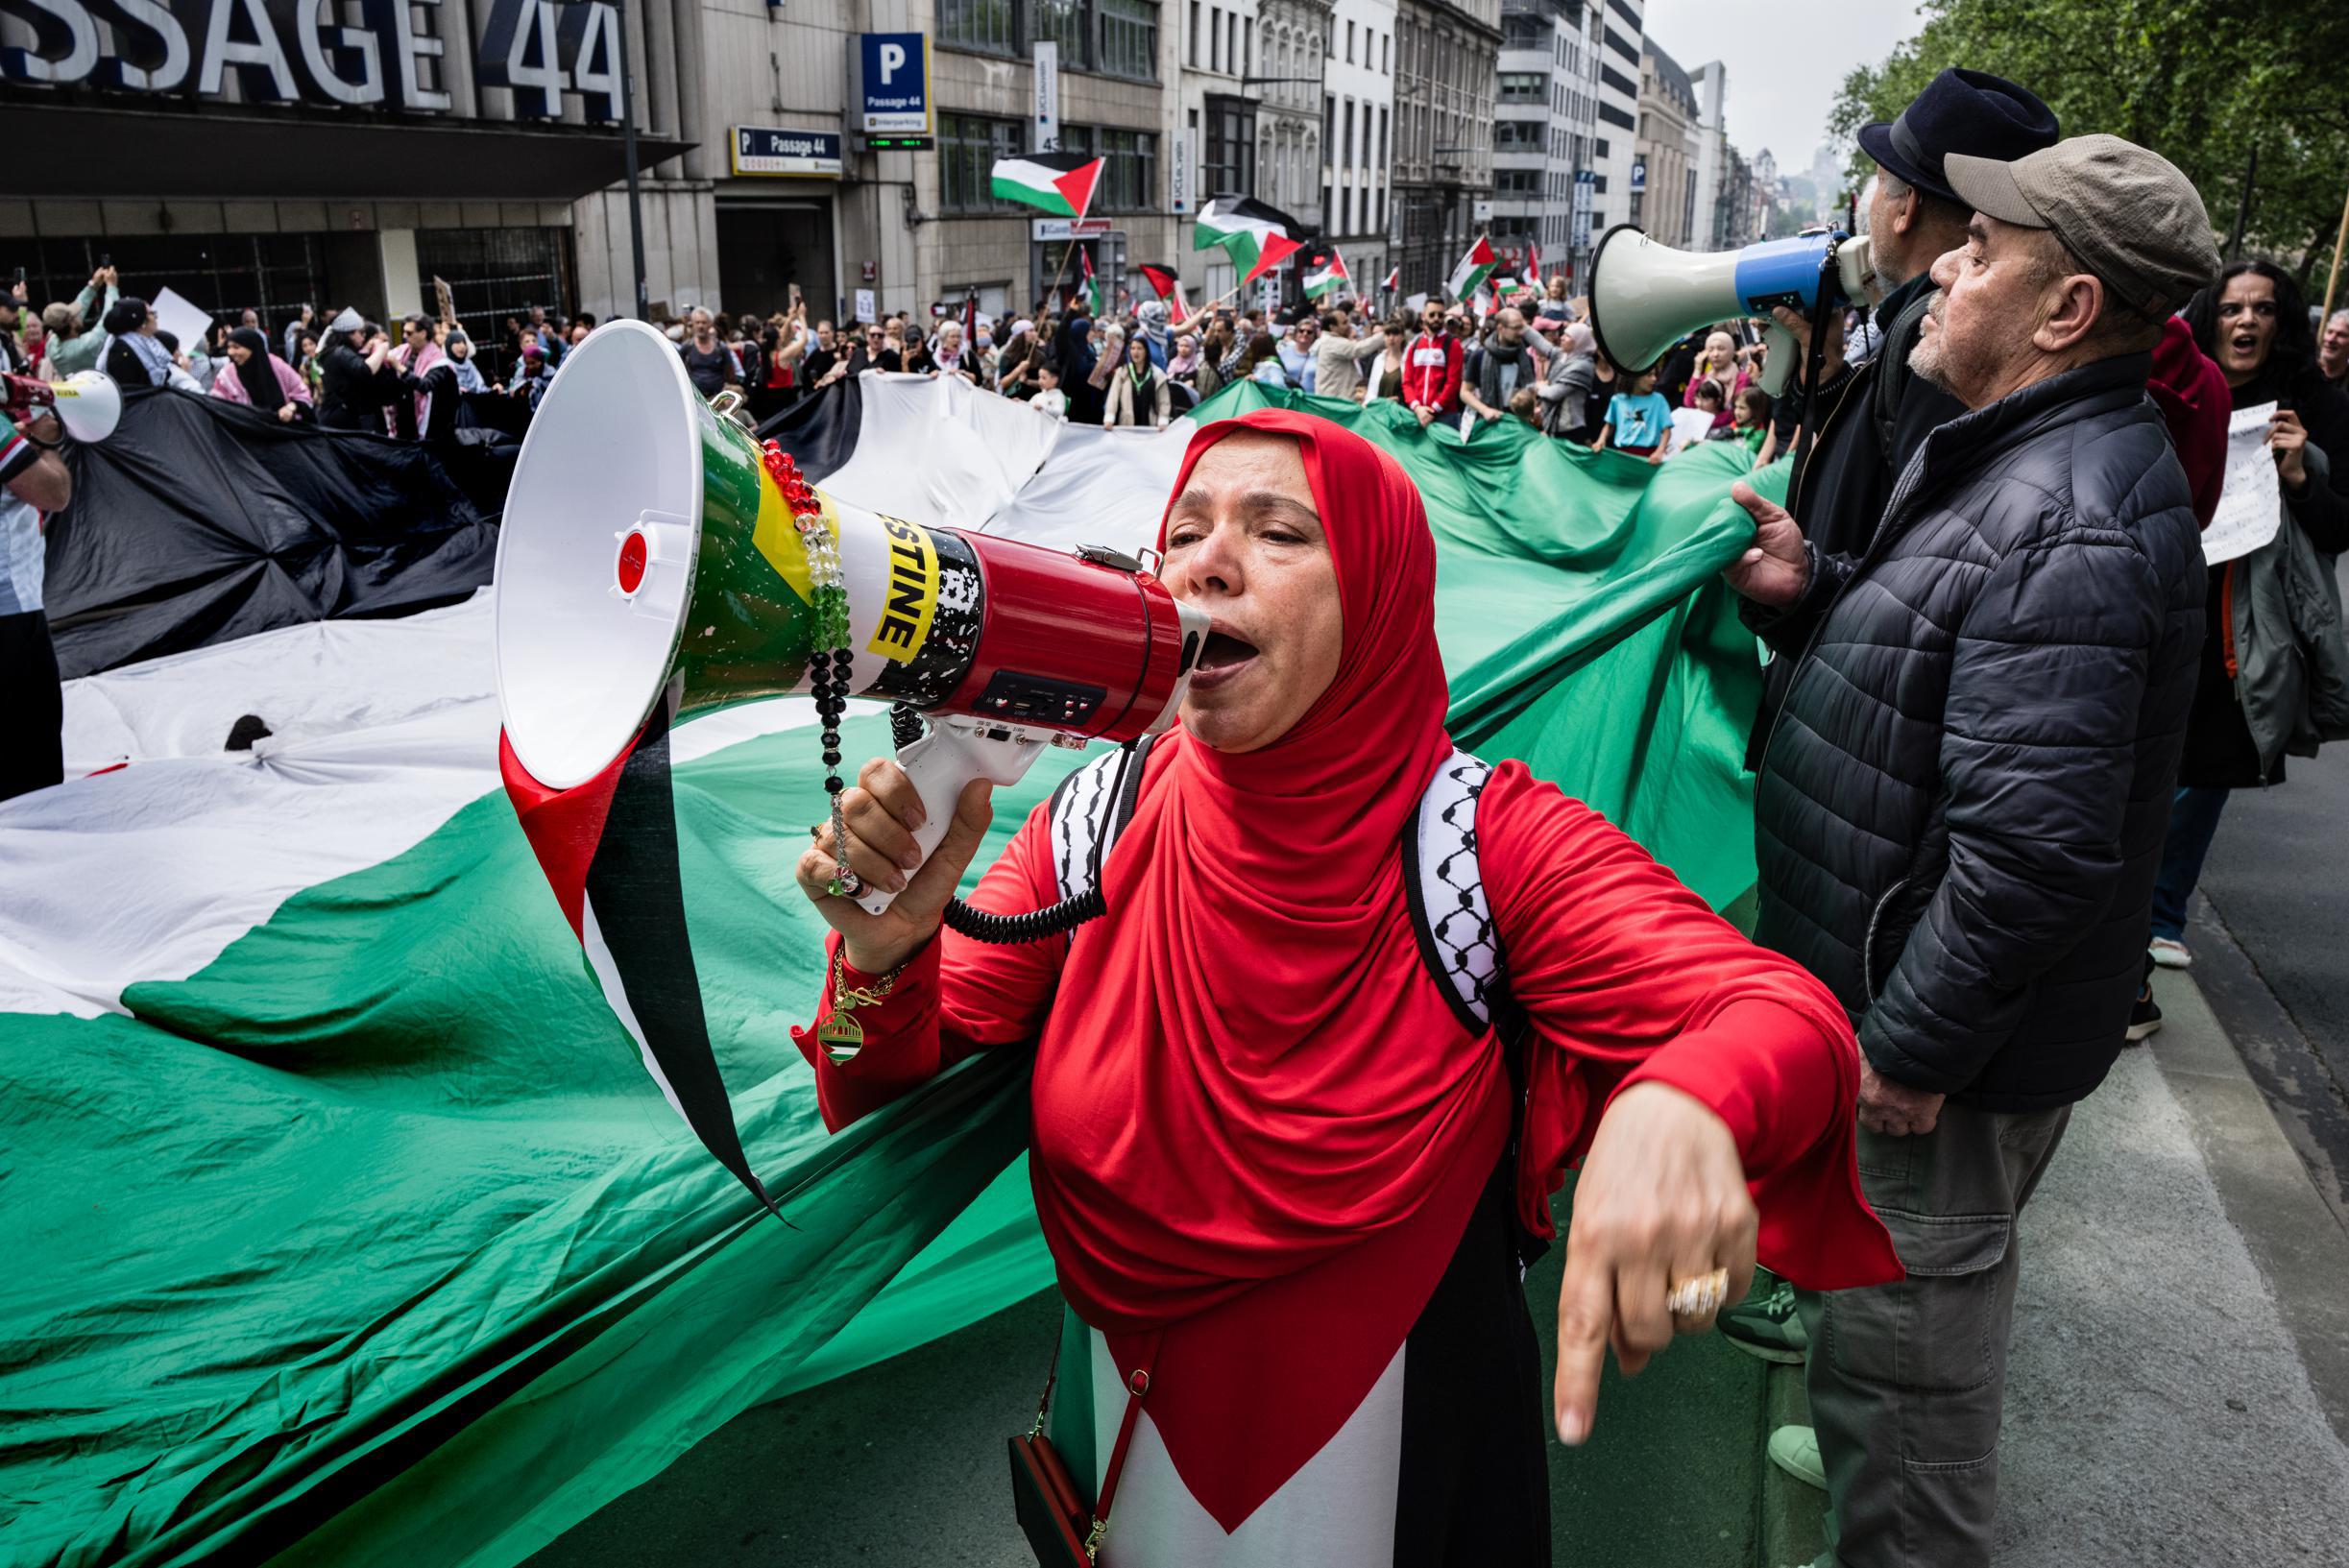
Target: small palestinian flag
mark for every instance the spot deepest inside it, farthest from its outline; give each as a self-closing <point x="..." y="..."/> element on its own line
<point x="1533" y="264"/>
<point x="1394" y="280"/>
<point x="1060" y="183"/>
<point x="1257" y="236"/>
<point x="1473" y="268"/>
<point x="1093" y="285"/>
<point x="1160" y="279"/>
<point x="1324" y="273"/>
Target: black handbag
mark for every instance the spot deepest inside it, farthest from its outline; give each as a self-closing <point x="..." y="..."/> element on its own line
<point x="1063" y="1527"/>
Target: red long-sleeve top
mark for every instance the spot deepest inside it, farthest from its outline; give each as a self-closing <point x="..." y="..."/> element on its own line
<point x="1624" y="977"/>
<point x="1431" y="373"/>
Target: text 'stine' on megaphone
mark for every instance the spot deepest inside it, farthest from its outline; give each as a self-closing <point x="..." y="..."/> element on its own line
<point x="648" y="556"/>
<point x="1646" y="296"/>
<point x="87" y="403"/>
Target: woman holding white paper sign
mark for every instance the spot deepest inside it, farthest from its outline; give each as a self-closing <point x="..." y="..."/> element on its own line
<point x="2275" y="672"/>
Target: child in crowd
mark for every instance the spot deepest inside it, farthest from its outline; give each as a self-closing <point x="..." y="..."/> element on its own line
<point x="1639" y="419"/>
<point x="1706" y="396"/>
<point x="1526" y="406"/>
<point x="1754" y="410"/>
<point x="1052" y="400"/>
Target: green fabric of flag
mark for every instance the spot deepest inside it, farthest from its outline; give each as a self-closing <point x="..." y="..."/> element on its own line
<point x="370" y="1243"/>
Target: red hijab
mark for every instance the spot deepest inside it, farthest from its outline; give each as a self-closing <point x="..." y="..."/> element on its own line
<point x="1250" y="1069"/>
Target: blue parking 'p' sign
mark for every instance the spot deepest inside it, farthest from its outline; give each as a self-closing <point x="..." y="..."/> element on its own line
<point x="893" y="84"/>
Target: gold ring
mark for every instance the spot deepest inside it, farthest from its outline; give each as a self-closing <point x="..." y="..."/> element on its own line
<point x="1699" y="1297"/>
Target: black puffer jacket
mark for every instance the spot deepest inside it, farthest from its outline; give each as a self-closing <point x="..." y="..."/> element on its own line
<point x="1961" y="808"/>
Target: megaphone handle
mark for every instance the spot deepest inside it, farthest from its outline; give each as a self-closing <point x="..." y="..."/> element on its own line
<point x="1777" y="365"/>
<point x="942" y="764"/>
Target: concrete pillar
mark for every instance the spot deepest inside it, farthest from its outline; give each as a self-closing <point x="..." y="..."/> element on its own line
<point x="404" y="289"/>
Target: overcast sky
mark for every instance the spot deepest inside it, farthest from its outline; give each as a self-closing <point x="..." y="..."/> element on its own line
<point x="1785" y="57"/>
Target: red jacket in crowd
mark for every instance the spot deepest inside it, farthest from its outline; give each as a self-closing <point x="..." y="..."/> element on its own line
<point x="1431" y="373"/>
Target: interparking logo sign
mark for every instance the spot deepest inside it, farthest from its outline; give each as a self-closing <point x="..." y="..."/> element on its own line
<point x="893" y="84"/>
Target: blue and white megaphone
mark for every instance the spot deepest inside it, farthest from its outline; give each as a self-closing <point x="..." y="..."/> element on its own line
<point x="1646" y="296"/>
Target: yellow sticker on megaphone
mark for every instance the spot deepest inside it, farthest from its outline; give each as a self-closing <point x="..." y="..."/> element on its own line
<point x="911" y="592"/>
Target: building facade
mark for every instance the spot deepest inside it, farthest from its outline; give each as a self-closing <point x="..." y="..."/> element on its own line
<point x="1663" y="194"/>
<point x="1447" y="57"/>
<point x="1621" y="32"/>
<point x="1358" y="139"/>
<point x="1544" y="124"/>
<point x="1290" y="159"/>
<point x="1713" y="84"/>
<point x="1220" y="118"/>
<point x="305" y="158"/>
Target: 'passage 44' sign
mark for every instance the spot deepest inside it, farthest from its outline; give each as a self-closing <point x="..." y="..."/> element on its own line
<point x="301" y="51"/>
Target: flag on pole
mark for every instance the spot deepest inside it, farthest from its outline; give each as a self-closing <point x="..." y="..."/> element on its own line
<point x="1060" y="183"/>
<point x="1533" y="264"/>
<point x="1258" y="237"/>
<point x="1473" y="268"/>
<point x="1159" y="278"/>
<point x="1324" y="273"/>
<point x="1093" y="284"/>
<point x="1394" y="280"/>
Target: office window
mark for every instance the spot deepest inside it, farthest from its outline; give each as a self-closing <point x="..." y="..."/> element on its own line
<point x="1062" y="22"/>
<point x="1329" y="122"/>
<point x="1348" y="135"/>
<point x="1522" y="88"/>
<point x="1345" y="210"/>
<point x="1248" y="46"/>
<point x="1381" y="137"/>
<point x="1516" y="135"/>
<point x="1516" y="182"/>
<point x="1130" y="38"/>
<point x="1215" y="38"/>
<point x="1386" y="53"/>
<point x="1192" y="55"/>
<point x="968" y="146"/>
<point x="1350" y="43"/>
<point x="1129" y="170"/>
<point x="990" y="26"/>
<point x="1227" y="164"/>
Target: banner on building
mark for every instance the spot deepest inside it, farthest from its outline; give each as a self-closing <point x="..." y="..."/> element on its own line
<point x="1044" y="121"/>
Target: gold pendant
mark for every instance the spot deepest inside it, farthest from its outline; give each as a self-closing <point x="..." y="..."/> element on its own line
<point x="841" y="1036"/>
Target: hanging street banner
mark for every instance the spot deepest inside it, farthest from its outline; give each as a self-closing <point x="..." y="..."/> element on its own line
<point x="1044" y="119"/>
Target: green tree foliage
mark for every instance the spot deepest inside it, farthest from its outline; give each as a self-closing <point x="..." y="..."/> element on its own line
<point x="2200" y="82"/>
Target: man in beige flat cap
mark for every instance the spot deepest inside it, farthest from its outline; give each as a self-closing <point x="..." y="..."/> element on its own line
<point x="1960" y="809"/>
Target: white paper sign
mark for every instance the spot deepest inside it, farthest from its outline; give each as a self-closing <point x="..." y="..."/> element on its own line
<point x="182" y="318"/>
<point x="864" y="305"/>
<point x="2250" y="504"/>
<point x="1688" y="427"/>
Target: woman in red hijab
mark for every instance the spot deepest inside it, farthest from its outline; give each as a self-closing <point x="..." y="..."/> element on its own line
<point x="1276" y="1168"/>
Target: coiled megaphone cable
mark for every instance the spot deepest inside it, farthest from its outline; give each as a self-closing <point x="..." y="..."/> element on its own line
<point x="906" y="726"/>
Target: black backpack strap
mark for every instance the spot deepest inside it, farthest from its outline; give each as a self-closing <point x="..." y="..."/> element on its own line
<point x="1444" y="887"/>
<point x="1087" y="811"/>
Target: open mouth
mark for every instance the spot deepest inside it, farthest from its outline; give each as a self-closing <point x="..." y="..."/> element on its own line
<point x="2246" y="344"/>
<point x="1224" y="650"/>
<point x="1223" y="657"/>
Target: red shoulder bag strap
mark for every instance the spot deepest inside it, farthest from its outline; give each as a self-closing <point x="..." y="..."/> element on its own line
<point x="1137" y="1384"/>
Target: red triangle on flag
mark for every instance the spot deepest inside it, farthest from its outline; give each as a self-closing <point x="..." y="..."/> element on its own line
<point x="1277" y="248"/>
<point x="1075" y="187"/>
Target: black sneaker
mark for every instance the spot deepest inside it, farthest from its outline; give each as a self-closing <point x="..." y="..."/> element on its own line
<point x="1766" y="1327"/>
<point x="2144" y="1018"/>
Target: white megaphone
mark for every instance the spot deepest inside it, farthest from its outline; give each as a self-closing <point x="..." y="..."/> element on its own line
<point x="87" y="403"/>
<point x="1646" y="296"/>
<point x="650" y="554"/>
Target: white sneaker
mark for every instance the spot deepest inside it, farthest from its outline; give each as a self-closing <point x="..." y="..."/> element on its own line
<point x="1795" y="1450"/>
<point x="2169" y="953"/>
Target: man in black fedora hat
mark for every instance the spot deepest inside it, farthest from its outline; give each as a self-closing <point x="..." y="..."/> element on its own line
<point x="1872" y="417"/>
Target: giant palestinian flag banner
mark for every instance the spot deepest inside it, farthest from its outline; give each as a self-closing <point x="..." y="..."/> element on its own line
<point x="1061" y="183"/>
<point x="1256" y="236"/>
<point x="346" y="1222"/>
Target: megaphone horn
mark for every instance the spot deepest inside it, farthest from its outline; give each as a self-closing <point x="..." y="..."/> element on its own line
<point x="652" y="552"/>
<point x="87" y="403"/>
<point x="1645" y="297"/>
